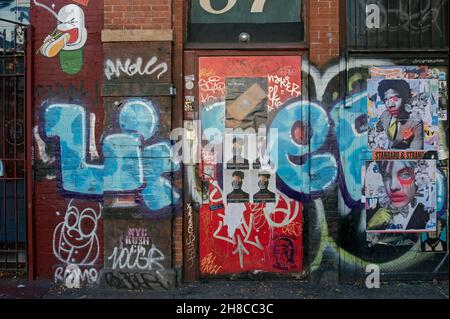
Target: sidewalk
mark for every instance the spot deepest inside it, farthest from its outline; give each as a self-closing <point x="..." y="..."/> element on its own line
<point x="13" y="288"/>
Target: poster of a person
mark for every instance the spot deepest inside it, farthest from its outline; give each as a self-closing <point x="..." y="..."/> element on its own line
<point x="236" y="151"/>
<point x="403" y="114"/>
<point x="236" y="186"/>
<point x="400" y="195"/>
<point x="262" y="160"/>
<point x="263" y="186"/>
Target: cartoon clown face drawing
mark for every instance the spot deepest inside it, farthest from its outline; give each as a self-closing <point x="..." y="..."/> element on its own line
<point x="67" y="39"/>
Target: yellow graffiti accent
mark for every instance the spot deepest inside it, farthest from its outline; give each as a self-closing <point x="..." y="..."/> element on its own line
<point x="208" y="265"/>
<point x="414" y="255"/>
<point x="293" y="229"/>
<point x="203" y="73"/>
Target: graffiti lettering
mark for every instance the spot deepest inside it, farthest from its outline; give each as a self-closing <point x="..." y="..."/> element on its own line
<point x="285" y="84"/>
<point x="73" y="277"/>
<point x="131" y="69"/>
<point x="71" y="92"/>
<point x="208" y="265"/>
<point x="137" y="236"/>
<point x="212" y="84"/>
<point x="124" y="280"/>
<point x="137" y="257"/>
<point x="190" y="240"/>
<point x="294" y="229"/>
<point x="325" y="169"/>
<point x="128" y="165"/>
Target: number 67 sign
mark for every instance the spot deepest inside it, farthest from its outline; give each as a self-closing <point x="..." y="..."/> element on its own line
<point x="257" y="6"/>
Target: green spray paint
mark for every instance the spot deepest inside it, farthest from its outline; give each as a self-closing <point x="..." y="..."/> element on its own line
<point x="71" y="61"/>
<point x="403" y="262"/>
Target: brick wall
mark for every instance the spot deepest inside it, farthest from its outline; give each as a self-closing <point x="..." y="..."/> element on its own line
<point x="53" y="85"/>
<point x="128" y="15"/>
<point x="138" y="14"/>
<point x="323" y="30"/>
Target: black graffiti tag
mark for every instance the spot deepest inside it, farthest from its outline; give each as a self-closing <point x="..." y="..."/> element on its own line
<point x="134" y="281"/>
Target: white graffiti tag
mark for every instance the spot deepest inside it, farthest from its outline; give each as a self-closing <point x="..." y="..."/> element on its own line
<point x="190" y="241"/>
<point x="76" y="244"/>
<point x="212" y="85"/>
<point x="73" y="277"/>
<point x="115" y="69"/>
<point x="137" y="257"/>
<point x="281" y="86"/>
<point x="75" y="239"/>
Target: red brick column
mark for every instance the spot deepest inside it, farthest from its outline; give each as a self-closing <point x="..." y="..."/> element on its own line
<point x="323" y="30"/>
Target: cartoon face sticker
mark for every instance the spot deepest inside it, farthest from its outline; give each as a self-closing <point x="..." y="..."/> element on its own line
<point x="71" y="21"/>
<point x="70" y="33"/>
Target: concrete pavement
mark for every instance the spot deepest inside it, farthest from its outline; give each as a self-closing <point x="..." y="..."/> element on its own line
<point x="19" y="288"/>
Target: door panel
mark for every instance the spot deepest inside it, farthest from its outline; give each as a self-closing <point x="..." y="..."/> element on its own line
<point x="249" y="218"/>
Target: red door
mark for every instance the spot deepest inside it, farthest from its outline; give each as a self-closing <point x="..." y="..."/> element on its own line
<point x="246" y="221"/>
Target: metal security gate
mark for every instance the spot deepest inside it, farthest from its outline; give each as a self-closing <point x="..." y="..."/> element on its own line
<point x="13" y="150"/>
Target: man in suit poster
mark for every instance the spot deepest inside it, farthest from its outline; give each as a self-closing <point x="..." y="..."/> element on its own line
<point x="402" y="114"/>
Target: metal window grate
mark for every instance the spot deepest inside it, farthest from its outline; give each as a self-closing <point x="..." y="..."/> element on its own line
<point x="403" y="25"/>
<point x="13" y="211"/>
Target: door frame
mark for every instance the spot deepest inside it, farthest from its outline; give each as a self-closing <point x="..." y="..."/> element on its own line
<point x="191" y="112"/>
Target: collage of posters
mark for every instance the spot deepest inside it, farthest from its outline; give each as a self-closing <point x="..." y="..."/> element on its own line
<point x="248" y="175"/>
<point x="403" y="108"/>
<point x="399" y="184"/>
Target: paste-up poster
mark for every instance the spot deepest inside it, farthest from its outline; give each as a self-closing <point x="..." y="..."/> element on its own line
<point x="403" y="114"/>
<point x="391" y="239"/>
<point x="237" y="151"/>
<point x="263" y="186"/>
<point x="236" y="186"/>
<point x="246" y="102"/>
<point x="400" y="195"/>
<point x="435" y="241"/>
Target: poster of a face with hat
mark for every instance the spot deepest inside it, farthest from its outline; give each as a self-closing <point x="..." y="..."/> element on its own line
<point x="263" y="186"/>
<point x="236" y="186"/>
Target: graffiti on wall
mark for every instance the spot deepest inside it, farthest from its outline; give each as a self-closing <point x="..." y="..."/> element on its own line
<point x="190" y="238"/>
<point x="130" y="163"/>
<point x="350" y="123"/>
<point x="337" y="136"/>
<point x="68" y="38"/>
<point x="245" y="210"/>
<point x="61" y="31"/>
<point x="139" y="67"/>
<point x="76" y="245"/>
<point x="135" y="254"/>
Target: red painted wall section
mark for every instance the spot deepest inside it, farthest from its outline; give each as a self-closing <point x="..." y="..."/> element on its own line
<point x="249" y="235"/>
<point x="68" y="72"/>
